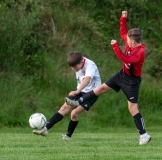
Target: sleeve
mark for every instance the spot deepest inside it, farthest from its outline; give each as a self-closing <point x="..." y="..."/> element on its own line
<point x="125" y="58"/>
<point x="90" y="70"/>
<point x="123" y="28"/>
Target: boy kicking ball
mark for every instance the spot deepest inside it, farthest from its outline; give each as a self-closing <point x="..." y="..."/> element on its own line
<point x="88" y="78"/>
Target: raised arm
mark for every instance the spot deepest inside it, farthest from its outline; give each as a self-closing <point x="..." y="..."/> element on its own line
<point x="123" y="27"/>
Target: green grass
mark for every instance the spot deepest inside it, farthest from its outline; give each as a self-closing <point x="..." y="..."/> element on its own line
<point x="103" y="144"/>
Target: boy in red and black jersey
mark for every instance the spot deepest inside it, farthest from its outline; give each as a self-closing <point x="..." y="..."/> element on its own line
<point x="133" y="57"/>
<point x="128" y="79"/>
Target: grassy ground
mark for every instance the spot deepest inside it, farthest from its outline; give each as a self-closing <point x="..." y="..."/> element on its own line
<point x="104" y="144"/>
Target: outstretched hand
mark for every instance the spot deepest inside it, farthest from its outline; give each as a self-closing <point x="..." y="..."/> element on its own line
<point x="124" y="13"/>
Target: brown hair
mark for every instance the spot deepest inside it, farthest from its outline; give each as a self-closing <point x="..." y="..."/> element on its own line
<point x="74" y="58"/>
<point x="135" y="34"/>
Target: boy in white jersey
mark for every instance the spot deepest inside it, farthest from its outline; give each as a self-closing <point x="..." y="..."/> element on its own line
<point x="88" y="78"/>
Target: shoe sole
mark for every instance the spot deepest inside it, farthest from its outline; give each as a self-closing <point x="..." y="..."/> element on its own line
<point x="41" y="134"/>
<point x="146" y="142"/>
<point x="63" y="137"/>
<point x="70" y="104"/>
<point x="67" y="139"/>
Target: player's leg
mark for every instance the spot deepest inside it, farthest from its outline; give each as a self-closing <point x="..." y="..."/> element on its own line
<point x="75" y="115"/>
<point x="89" y="96"/>
<point x="73" y="122"/>
<point x="131" y="89"/>
<point x="94" y="93"/>
<point x="58" y="116"/>
<point x="138" y="119"/>
<point x="139" y="122"/>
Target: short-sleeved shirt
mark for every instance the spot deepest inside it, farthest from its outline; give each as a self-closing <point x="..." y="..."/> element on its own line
<point x="89" y="69"/>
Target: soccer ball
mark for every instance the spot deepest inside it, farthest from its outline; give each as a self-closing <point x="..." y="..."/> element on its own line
<point x="37" y="121"/>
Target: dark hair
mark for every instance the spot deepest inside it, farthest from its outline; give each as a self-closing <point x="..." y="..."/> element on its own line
<point x="74" y="58"/>
<point x="135" y="34"/>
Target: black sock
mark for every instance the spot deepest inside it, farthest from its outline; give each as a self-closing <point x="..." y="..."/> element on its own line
<point x="71" y="128"/>
<point x="86" y="97"/>
<point x="140" y="124"/>
<point x="54" y="119"/>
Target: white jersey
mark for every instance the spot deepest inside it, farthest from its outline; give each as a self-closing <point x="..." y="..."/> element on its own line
<point x="89" y="69"/>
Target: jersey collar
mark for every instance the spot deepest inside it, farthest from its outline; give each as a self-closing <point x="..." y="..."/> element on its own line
<point x="83" y="63"/>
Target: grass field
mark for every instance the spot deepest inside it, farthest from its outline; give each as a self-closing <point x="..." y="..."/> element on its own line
<point x="104" y="144"/>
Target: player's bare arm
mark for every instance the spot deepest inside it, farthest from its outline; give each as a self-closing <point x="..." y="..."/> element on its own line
<point x="84" y="83"/>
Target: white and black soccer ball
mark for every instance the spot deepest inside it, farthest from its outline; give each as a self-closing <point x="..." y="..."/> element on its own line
<point x="37" y="121"/>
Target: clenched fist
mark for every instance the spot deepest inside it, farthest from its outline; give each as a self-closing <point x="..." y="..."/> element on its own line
<point x="113" y="42"/>
<point x="124" y="13"/>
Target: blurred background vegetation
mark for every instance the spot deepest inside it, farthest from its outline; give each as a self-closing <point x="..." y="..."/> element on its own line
<point x="35" y="37"/>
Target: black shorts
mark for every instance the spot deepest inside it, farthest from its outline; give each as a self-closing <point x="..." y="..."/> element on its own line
<point x="86" y="105"/>
<point x="129" y="85"/>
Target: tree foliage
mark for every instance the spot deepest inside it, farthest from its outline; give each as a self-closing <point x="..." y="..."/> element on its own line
<point x="21" y="37"/>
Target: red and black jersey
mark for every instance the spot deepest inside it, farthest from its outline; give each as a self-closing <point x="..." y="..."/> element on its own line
<point x="132" y="58"/>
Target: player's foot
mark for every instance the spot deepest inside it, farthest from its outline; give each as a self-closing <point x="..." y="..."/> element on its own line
<point x="42" y="132"/>
<point x="65" y="137"/>
<point x="72" y="103"/>
<point x="145" y="138"/>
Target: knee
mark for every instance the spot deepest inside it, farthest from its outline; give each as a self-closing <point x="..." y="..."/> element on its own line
<point x="74" y="116"/>
<point x="130" y="109"/>
<point x="64" y="109"/>
<point x="101" y="89"/>
<point x="133" y="109"/>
